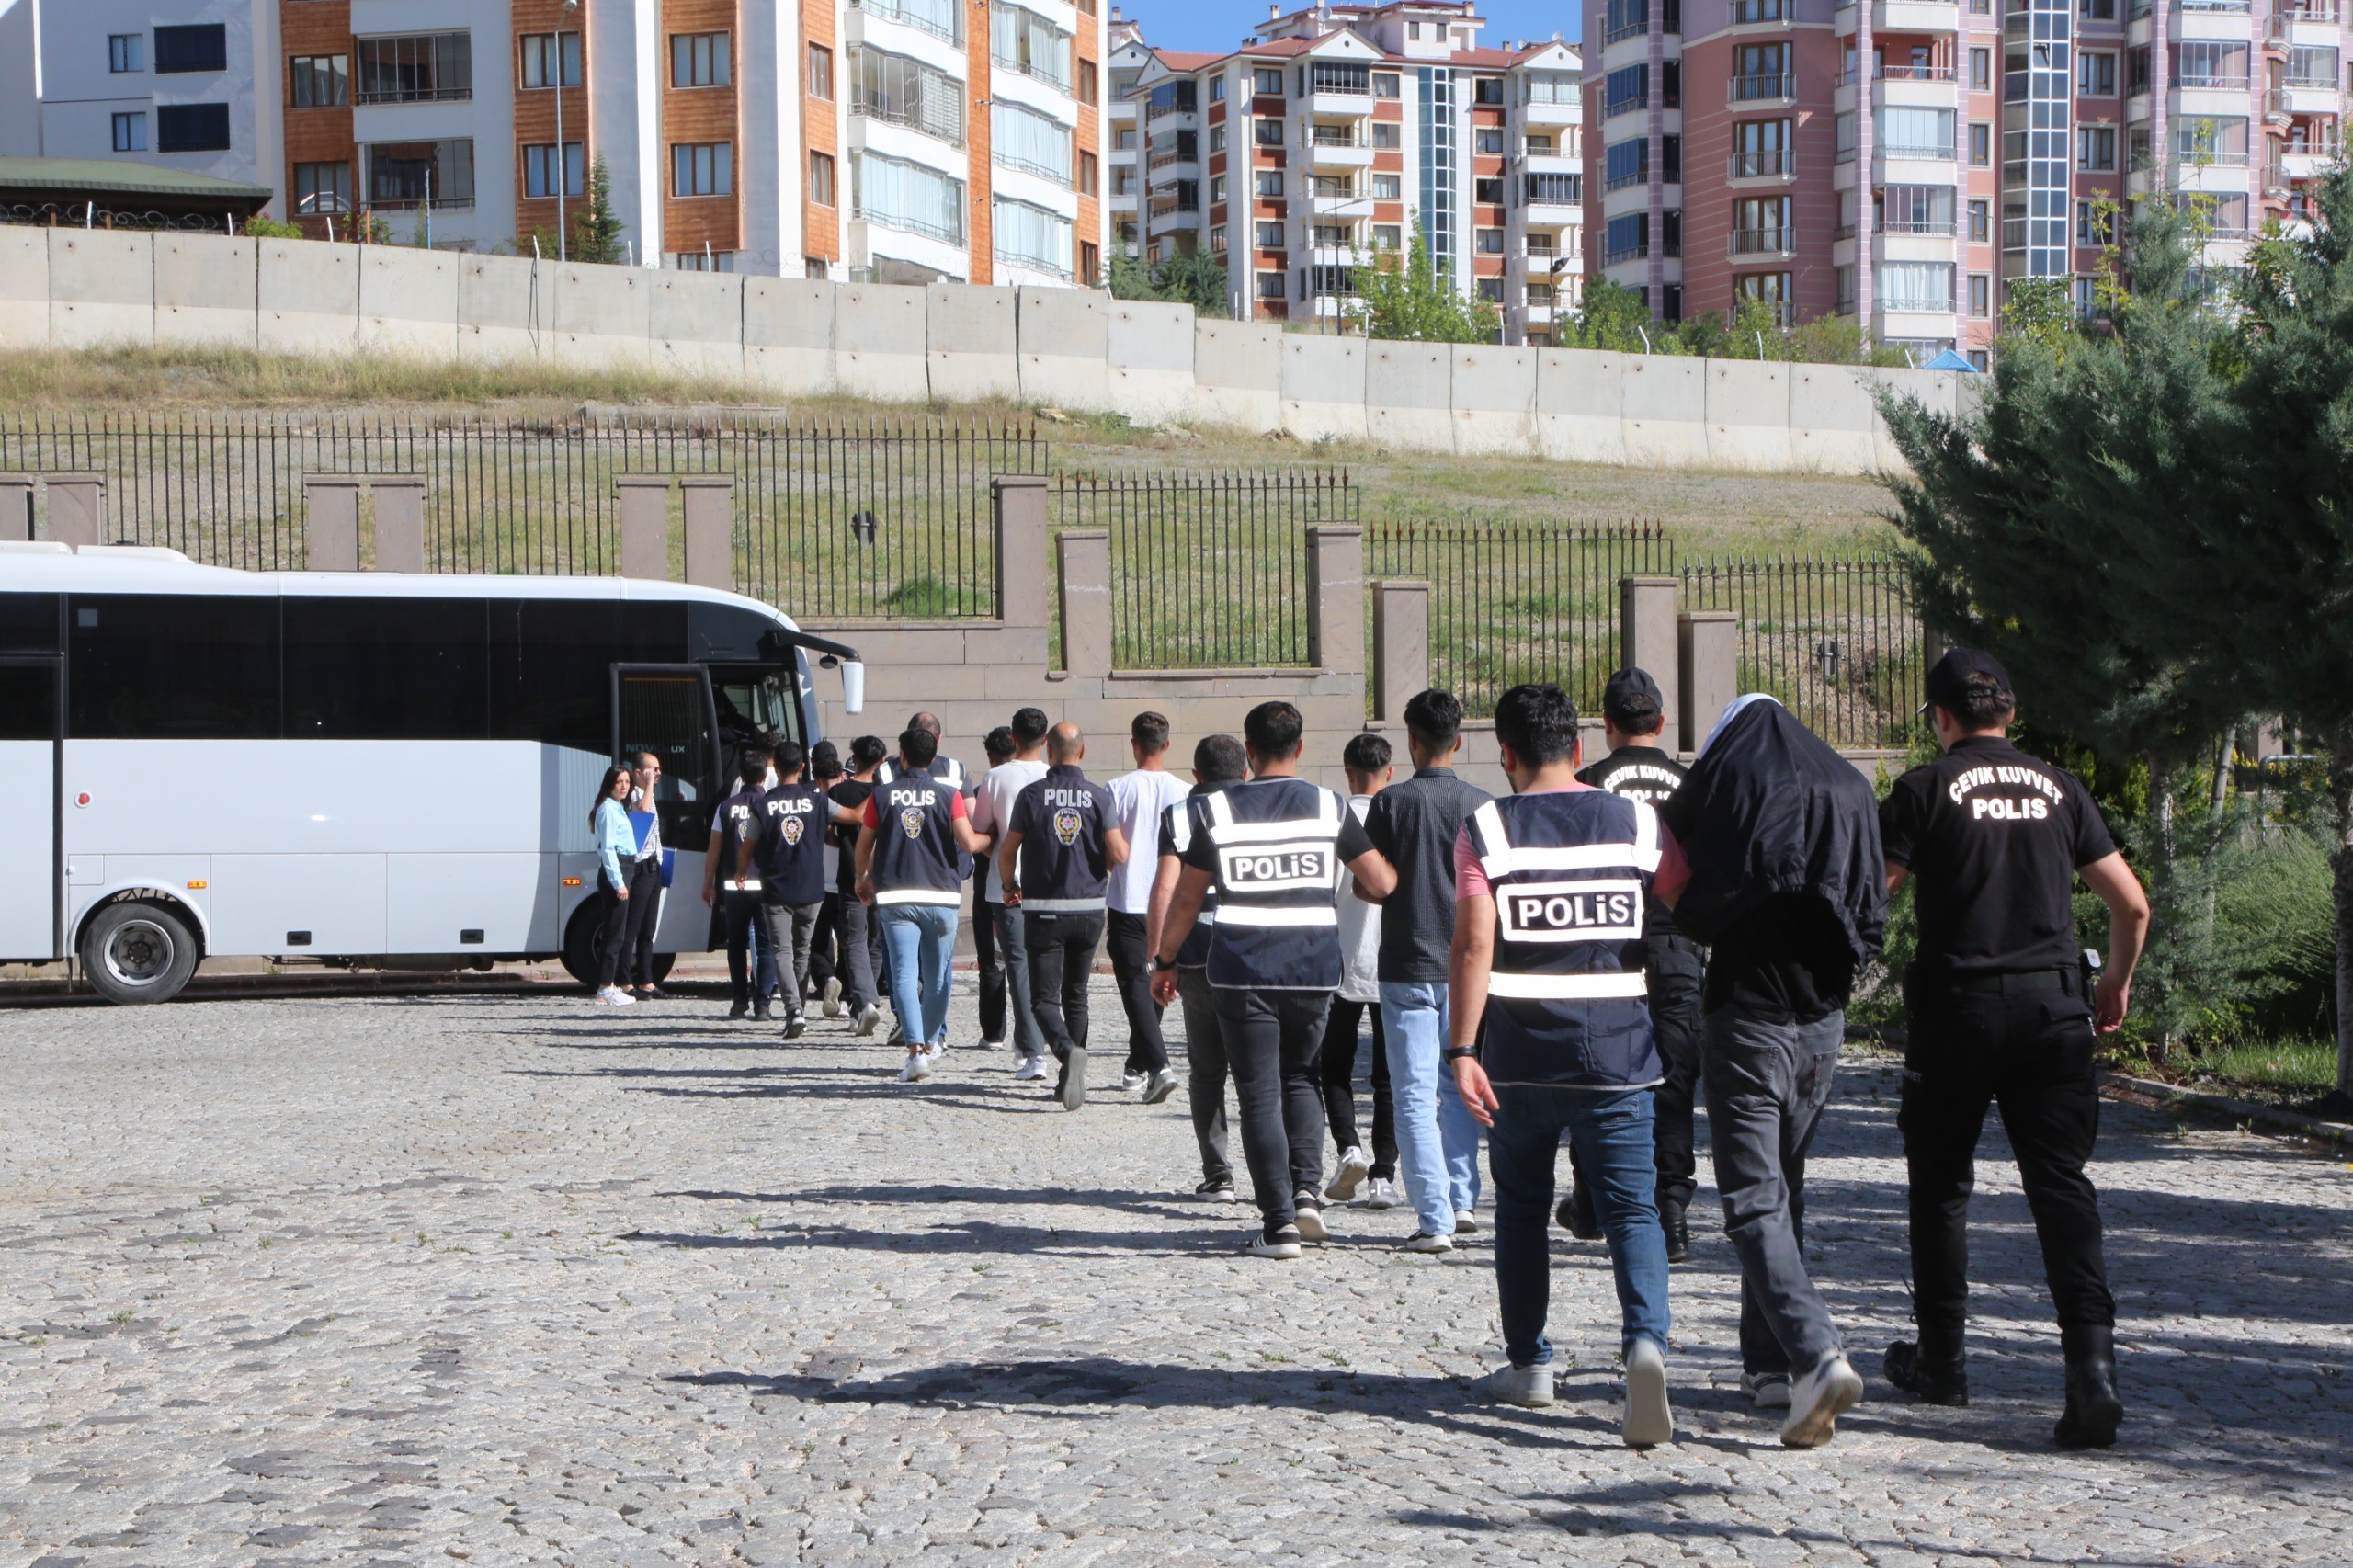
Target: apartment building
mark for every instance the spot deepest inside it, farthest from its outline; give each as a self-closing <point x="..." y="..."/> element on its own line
<point x="1125" y="55"/>
<point x="896" y="140"/>
<point x="1904" y="160"/>
<point x="1336" y="128"/>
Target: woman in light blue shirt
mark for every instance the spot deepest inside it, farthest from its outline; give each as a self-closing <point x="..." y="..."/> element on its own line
<point x="616" y="846"/>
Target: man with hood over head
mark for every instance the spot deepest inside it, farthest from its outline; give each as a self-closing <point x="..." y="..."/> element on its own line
<point x="1788" y="888"/>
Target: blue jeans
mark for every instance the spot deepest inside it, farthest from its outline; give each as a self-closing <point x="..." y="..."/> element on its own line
<point x="919" y="939"/>
<point x="1437" y="1139"/>
<point x="751" y="952"/>
<point x="1610" y="1132"/>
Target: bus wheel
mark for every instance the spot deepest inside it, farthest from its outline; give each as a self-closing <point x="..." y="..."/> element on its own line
<point x="138" y="952"/>
<point x="584" y="942"/>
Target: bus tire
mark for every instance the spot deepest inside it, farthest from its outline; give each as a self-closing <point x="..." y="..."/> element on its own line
<point x="135" y="952"/>
<point x="584" y="946"/>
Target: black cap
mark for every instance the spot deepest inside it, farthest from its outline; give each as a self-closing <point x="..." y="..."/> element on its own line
<point x="1947" y="682"/>
<point x="1631" y="690"/>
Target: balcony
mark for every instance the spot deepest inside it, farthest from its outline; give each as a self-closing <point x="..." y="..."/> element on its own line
<point x="1634" y="29"/>
<point x="939" y="19"/>
<point x="1762" y="13"/>
<point x="1759" y="243"/>
<point x="1635" y="252"/>
<point x="938" y="115"/>
<point x="1616" y="107"/>
<point x="1631" y="177"/>
<point x="1330" y="147"/>
<point x="1902" y="16"/>
<point x="1779" y="164"/>
<point x="1780" y="88"/>
<point x="2300" y="98"/>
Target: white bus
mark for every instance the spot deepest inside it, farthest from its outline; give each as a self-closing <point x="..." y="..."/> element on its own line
<point x="358" y="767"/>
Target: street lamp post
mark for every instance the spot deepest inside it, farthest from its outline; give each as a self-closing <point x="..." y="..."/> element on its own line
<point x="562" y="159"/>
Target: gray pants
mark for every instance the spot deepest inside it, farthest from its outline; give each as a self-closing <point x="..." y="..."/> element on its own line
<point x="1766" y="1084"/>
<point x="1013" y="951"/>
<point x="789" y="927"/>
<point x="1205" y="1075"/>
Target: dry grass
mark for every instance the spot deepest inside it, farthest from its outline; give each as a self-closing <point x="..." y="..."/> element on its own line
<point x="1710" y="513"/>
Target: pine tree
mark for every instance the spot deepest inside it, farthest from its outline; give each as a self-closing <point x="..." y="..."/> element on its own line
<point x="1196" y="280"/>
<point x="597" y="229"/>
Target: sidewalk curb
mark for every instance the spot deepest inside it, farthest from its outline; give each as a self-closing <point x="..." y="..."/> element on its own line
<point x="2273" y="1118"/>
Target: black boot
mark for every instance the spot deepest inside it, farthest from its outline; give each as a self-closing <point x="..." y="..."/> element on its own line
<point x="1930" y="1379"/>
<point x="1672" y="1220"/>
<point x="2094" y="1410"/>
<point x="1576" y="1216"/>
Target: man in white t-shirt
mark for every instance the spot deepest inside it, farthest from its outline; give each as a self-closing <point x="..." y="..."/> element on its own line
<point x="1138" y="799"/>
<point x="992" y="812"/>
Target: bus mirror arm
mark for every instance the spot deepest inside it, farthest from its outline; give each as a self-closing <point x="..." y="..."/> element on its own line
<point x="843" y="656"/>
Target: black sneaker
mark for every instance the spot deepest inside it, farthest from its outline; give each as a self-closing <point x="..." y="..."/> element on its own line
<point x="1576" y="1216"/>
<point x="795" y="1025"/>
<point x="762" y="1014"/>
<point x="1677" y="1227"/>
<point x="739" y="1010"/>
<point x="1282" y="1242"/>
<point x="1941" y="1383"/>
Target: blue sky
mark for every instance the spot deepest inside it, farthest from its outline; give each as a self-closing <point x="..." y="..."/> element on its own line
<point x="1222" y="24"/>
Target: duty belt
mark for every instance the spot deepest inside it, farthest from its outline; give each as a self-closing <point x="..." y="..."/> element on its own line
<point x="2033" y="983"/>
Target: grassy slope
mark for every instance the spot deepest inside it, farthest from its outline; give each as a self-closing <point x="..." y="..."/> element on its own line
<point x="1710" y="513"/>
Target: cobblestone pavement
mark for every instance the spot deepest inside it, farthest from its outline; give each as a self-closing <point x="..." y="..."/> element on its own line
<point x="517" y="1279"/>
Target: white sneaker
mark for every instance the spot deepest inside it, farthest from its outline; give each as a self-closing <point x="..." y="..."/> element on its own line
<point x="1767" y="1391"/>
<point x="1354" y="1169"/>
<point x="1529" y="1386"/>
<point x="1649" y="1421"/>
<point x="1130" y="1082"/>
<point x="1382" y="1194"/>
<point x="869" y="1017"/>
<point x="614" y="997"/>
<point x="918" y="1069"/>
<point x="1422" y="1241"/>
<point x="1309" y="1219"/>
<point x="1029" y="1069"/>
<point x="1466" y="1224"/>
<point x="833" y="994"/>
<point x="1816" y="1401"/>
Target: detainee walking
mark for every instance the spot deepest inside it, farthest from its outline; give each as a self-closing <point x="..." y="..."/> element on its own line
<point x="1139" y="800"/>
<point x="992" y="811"/>
<point x="1061" y="844"/>
<point x="988" y="960"/>
<point x="1994" y="840"/>
<point x="861" y="939"/>
<point x="728" y="877"/>
<point x="1218" y="763"/>
<point x="1365" y="760"/>
<point x="788" y="852"/>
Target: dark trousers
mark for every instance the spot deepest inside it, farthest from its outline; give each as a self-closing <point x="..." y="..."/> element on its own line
<point x="645" y="912"/>
<point x="751" y="954"/>
<point x="855" y="953"/>
<point x="824" y="944"/>
<point x="790" y="928"/>
<point x="615" y="937"/>
<point x="2032" y="1054"/>
<point x="1131" y="967"/>
<point x="1336" y="1072"/>
<point x="1061" y="945"/>
<point x="1272" y="1040"/>
<point x="991" y="964"/>
<point x="1206" y="1070"/>
<point x="1675" y="970"/>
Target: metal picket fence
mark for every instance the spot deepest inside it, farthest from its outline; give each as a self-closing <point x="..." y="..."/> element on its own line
<point x="884" y="519"/>
<point x="1834" y="637"/>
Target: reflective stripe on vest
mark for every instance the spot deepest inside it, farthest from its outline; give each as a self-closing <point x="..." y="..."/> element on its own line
<point x="1060" y="905"/>
<point x="1568" y="987"/>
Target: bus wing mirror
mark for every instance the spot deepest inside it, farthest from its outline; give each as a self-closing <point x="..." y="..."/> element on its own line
<point x="853" y="686"/>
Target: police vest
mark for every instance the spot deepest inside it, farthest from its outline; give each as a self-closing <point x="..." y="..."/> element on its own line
<point x="1567" y="999"/>
<point x="737" y="816"/>
<point x="914" y="842"/>
<point x="1276" y="845"/>
<point x="790" y="853"/>
<point x="1062" y="818"/>
<point x="1175" y="837"/>
<point x="947" y="770"/>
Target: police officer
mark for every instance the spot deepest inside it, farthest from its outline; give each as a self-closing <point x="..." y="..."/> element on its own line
<point x="789" y="853"/>
<point x="1055" y="861"/>
<point x="1633" y="717"/>
<point x="751" y="959"/>
<point x="911" y="842"/>
<point x="945" y="769"/>
<point x="1218" y="763"/>
<point x="1272" y="849"/>
<point x="1994" y="840"/>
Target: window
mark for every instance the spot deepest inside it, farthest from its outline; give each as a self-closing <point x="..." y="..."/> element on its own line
<point x="2096" y="76"/>
<point x="1771" y="287"/>
<point x="1388" y="236"/>
<point x="1217" y="138"/>
<point x="702" y="169"/>
<point x="1123" y="181"/>
<point x="1491" y="290"/>
<point x="904" y="91"/>
<point x="1624" y="90"/>
<point x="1030" y="237"/>
<point x="2311" y="66"/>
<point x="821" y="180"/>
<point x="202" y="48"/>
<point x="1021" y="138"/>
<point x="1090" y="255"/>
<point x="1270" y="182"/>
<point x="1980" y="222"/>
<point x="2197" y="64"/>
<point x="1386" y="133"/>
<point x="126" y="52"/>
<point x="1269" y="132"/>
<point x="388" y="669"/>
<point x="1915" y="132"/>
<point x="902" y="195"/>
<point x="1387" y="188"/>
<point x="1487" y="91"/>
<point x="1217" y="238"/>
<point x="1125" y="141"/>
<point x="1670" y="159"/>
<point x="1384" y="83"/>
<point x="1915" y="286"/>
<point x="539" y="170"/>
<point x="1489" y="241"/>
<point x="421" y="68"/>
<point x="1271" y="234"/>
<point x="1670" y="231"/>
<point x="1980" y="69"/>
<point x="1556" y="190"/>
<point x="821" y="71"/>
<point x="192" y="128"/>
<point x="1626" y="238"/>
<point x="402" y="174"/>
<point x="1088" y="93"/>
<point x="2097" y="10"/>
<point x="1488" y="191"/>
<point x="698" y="59"/>
<point x="1087" y="177"/>
<point x="540" y="55"/>
<point x="321" y="190"/>
<point x="702" y="261"/>
<point x="1217" y="188"/>
<point x="1270" y="285"/>
<point x="1488" y="140"/>
<point x="130" y="133"/>
<point x="1024" y="41"/>
<point x="1980" y="145"/>
<point x="2095" y="147"/>
<point x="1916" y="210"/>
<point x="174" y="666"/>
<point x="321" y="81"/>
<point x="1217" y="87"/>
<point x="1266" y="82"/>
<point x="1626" y="163"/>
<point x="2089" y="228"/>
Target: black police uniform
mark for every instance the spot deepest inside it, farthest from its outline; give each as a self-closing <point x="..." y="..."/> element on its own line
<point x="790" y="854"/>
<point x="1993" y="838"/>
<point x="1275" y="850"/>
<point x="1675" y="965"/>
<point x="751" y="961"/>
<point x="1206" y="1067"/>
<point x="1065" y="882"/>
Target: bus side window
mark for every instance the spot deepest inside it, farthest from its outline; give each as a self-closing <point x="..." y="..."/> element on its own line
<point x="390" y="669"/>
<point x="174" y="666"/>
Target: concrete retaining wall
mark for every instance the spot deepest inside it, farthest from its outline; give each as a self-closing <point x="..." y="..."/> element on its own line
<point x="1074" y="349"/>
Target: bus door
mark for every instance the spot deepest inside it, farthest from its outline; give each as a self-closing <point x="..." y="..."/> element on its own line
<point x="666" y="710"/>
<point x="30" y="868"/>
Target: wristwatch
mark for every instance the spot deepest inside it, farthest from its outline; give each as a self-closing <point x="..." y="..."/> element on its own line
<point x="1454" y="1053"/>
<point x="1161" y="965"/>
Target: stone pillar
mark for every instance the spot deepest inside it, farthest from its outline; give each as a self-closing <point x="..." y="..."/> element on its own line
<point x="1648" y="638"/>
<point x="1401" y="646"/>
<point x="330" y="520"/>
<point x="645" y="524"/>
<point x="400" y="521"/>
<point x="1023" y="511"/>
<point x="77" y="508"/>
<point x="1711" y="670"/>
<point x="16" y="508"/>
<point x="1083" y="558"/>
<point x="711" y="529"/>
<point x="1336" y="600"/>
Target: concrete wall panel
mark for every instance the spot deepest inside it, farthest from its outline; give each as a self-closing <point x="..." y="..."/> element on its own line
<point x="1408" y="388"/>
<point x="1065" y="349"/>
<point x="1580" y="405"/>
<point x="604" y="316"/>
<point x="1151" y="356"/>
<point x="1665" y="411"/>
<point x="1936" y="388"/>
<point x="1495" y="400"/>
<point x="206" y="289"/>
<point x="1748" y="413"/>
<point x="310" y="297"/>
<point x="1834" y="428"/>
<point x="1238" y="374"/>
<point x="879" y="343"/>
<point x="699" y="324"/>
<point x="788" y="336"/>
<point x="1323" y="387"/>
<point x="505" y="307"/>
<point x="102" y="287"/>
<point x="970" y="338"/>
<point x="24" y="287"/>
<point x="408" y="301"/>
